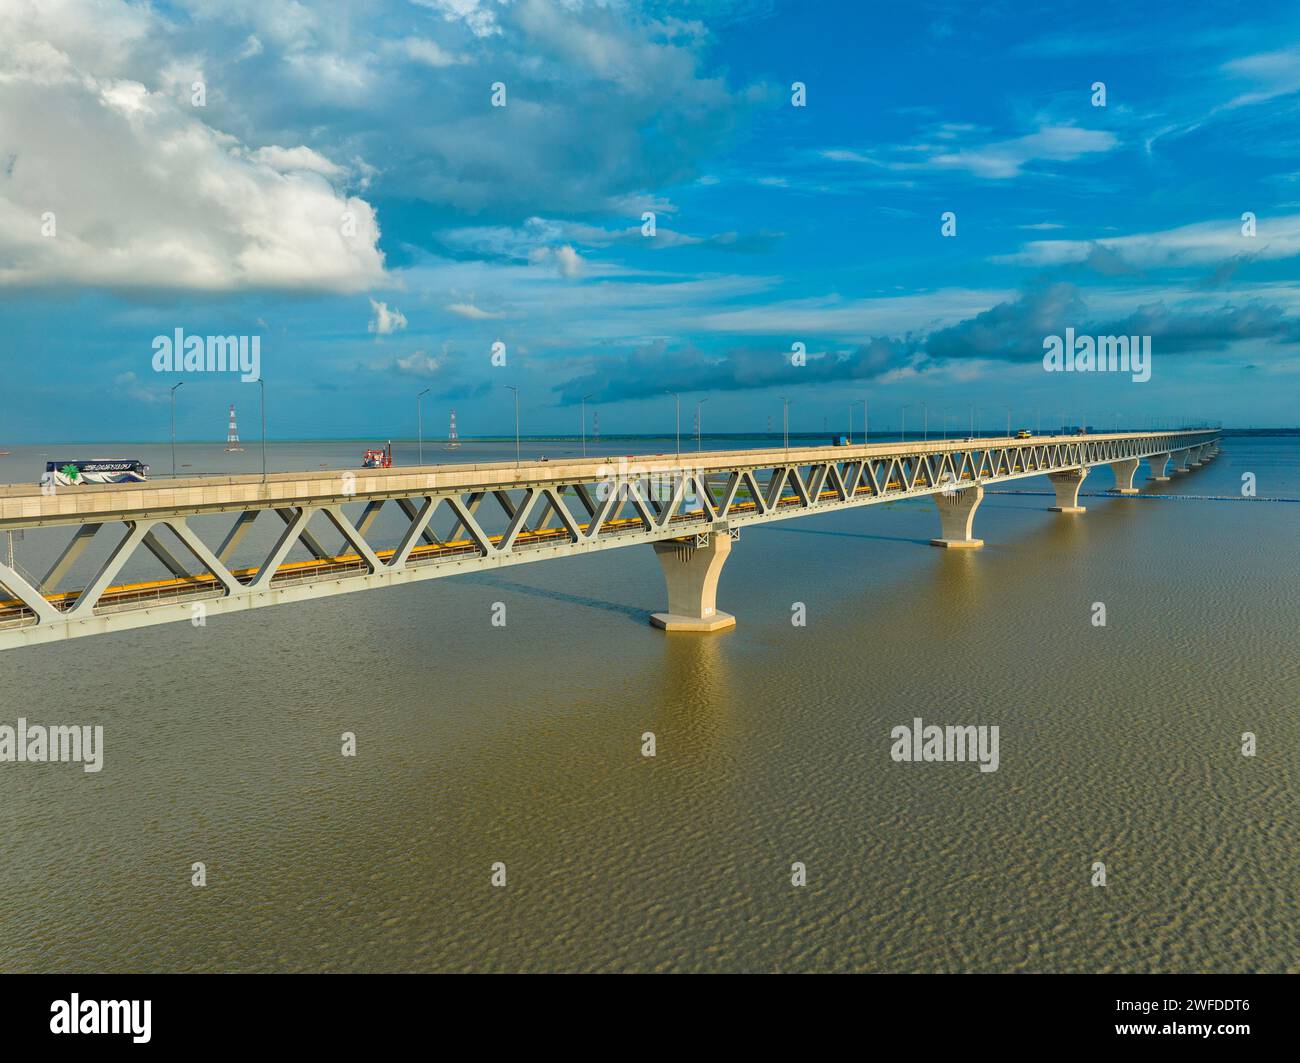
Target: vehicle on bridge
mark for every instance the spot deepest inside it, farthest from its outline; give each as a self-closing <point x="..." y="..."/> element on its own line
<point x="378" y="458"/>
<point x="94" y="471"/>
<point x="1024" y="433"/>
<point x="714" y="493"/>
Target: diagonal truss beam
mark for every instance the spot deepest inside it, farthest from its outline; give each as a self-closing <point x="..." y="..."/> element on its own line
<point x="542" y="520"/>
<point x="414" y="533"/>
<point x="293" y="529"/>
<point x="80" y="540"/>
<point x="352" y="536"/>
<point x="86" y="600"/>
<point x="206" y="557"/>
<point x="30" y="596"/>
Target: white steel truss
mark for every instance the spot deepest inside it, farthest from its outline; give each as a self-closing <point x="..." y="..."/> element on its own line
<point x="549" y="510"/>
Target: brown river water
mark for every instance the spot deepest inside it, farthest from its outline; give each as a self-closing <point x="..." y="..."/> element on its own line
<point x="521" y="744"/>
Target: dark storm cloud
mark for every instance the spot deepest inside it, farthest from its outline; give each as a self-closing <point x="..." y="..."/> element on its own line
<point x="1011" y="331"/>
<point x="1175" y="332"/>
<point x="644" y="371"/>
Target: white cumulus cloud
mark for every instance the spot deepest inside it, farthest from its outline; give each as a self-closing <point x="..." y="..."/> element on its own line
<point x="417" y="364"/>
<point x="110" y="183"/>
<point x="478" y="15"/>
<point x="387" y="319"/>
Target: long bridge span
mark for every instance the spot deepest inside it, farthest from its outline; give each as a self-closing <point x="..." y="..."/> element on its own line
<point x="452" y="519"/>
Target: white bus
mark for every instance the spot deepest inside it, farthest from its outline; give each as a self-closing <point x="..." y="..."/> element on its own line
<point x="95" y="471"/>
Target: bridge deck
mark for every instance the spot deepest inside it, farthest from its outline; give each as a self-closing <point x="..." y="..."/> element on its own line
<point x="626" y="500"/>
<point x="26" y="505"/>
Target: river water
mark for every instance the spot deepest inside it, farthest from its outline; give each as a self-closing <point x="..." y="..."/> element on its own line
<point x="522" y="744"/>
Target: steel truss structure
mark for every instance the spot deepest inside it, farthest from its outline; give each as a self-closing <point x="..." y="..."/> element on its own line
<point x="548" y="509"/>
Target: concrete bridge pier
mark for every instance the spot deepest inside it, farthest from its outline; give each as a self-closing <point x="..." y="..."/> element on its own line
<point x="1124" y="472"/>
<point x="1180" y="460"/>
<point x="1198" y="457"/>
<point x="1159" y="467"/>
<point x="956" y="515"/>
<point x="1067" y="486"/>
<point x="691" y="572"/>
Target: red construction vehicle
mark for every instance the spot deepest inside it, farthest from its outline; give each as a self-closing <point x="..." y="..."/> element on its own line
<point x="378" y="459"/>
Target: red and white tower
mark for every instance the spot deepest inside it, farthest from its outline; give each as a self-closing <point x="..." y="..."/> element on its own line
<point x="232" y="437"/>
<point x="452" y="441"/>
<point x="595" y="427"/>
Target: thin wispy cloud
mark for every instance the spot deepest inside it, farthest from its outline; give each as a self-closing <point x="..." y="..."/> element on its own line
<point x="1201" y="244"/>
<point x="953" y="148"/>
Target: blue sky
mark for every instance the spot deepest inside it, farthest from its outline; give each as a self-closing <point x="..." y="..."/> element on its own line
<point x="343" y="187"/>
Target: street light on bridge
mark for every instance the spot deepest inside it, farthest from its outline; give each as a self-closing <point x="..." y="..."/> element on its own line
<point x="511" y="387"/>
<point x="419" y="421"/>
<point x="853" y="403"/>
<point x="584" y="424"/>
<point x="261" y="381"/>
<point x="173" y="396"/>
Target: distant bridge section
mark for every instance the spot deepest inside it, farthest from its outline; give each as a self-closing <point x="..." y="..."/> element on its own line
<point x="450" y="519"/>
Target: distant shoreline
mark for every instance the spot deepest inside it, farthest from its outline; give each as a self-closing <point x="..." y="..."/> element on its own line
<point x="438" y="443"/>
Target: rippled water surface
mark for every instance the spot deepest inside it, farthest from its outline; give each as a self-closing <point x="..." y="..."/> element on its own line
<point x="521" y="744"/>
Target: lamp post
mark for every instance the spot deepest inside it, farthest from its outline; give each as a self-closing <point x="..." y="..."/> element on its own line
<point x="584" y="424"/>
<point x="925" y="422"/>
<point x="262" y="385"/>
<point x="1008" y="409"/>
<point x="945" y="421"/>
<point x="511" y="387"/>
<point x="677" y="402"/>
<point x="866" y="422"/>
<point x="419" y="421"/>
<point x="902" y="423"/>
<point x="173" y="397"/>
<point x="699" y="425"/>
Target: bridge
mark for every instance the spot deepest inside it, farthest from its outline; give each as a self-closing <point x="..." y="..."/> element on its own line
<point x="450" y="519"/>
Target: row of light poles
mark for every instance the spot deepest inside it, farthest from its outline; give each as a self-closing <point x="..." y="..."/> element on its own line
<point x="262" y="393"/>
<point x="785" y="421"/>
<point x="677" y="402"/>
<point x="677" y="405"/>
<point x="976" y="413"/>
